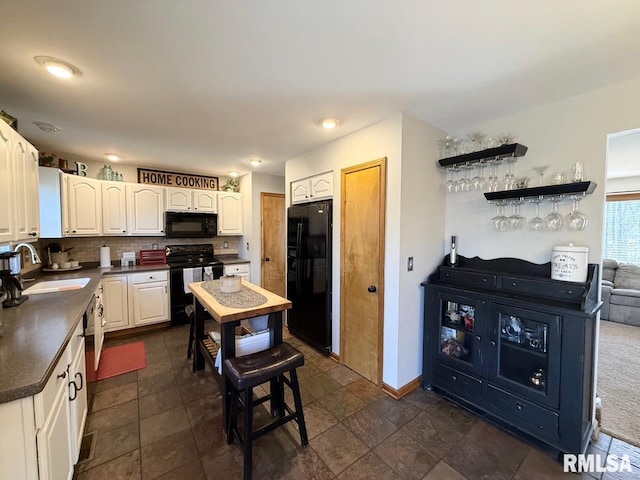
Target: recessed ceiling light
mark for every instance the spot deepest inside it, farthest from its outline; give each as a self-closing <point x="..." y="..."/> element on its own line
<point x="330" y="122"/>
<point x="233" y="174"/>
<point x="255" y="162"/>
<point x="46" y="127"/>
<point x="56" y="66"/>
<point x="112" y="156"/>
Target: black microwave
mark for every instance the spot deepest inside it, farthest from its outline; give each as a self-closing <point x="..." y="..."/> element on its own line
<point x="190" y="225"/>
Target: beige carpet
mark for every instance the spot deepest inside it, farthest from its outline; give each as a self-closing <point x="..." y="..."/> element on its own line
<point x="619" y="380"/>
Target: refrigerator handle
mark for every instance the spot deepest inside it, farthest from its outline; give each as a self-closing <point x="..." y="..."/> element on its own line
<point x="298" y="262"/>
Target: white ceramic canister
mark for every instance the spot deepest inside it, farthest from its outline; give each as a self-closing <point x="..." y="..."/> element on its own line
<point x="569" y="263"/>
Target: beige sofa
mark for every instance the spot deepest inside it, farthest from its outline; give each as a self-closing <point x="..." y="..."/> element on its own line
<point x="620" y="292"/>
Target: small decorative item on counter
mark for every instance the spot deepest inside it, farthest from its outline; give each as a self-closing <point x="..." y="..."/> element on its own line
<point x="11" y="121"/>
<point x="453" y="256"/>
<point x="231" y="185"/>
<point x="106" y="173"/>
<point x="453" y="348"/>
<point x="569" y="263"/>
<point x="45" y="159"/>
<point x="230" y="284"/>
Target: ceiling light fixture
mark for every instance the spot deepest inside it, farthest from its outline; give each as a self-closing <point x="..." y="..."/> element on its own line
<point x="46" y="127"/>
<point x="255" y="162"/>
<point x="330" y="122"/>
<point x="56" y="66"/>
<point x="112" y="156"/>
<point x="233" y="174"/>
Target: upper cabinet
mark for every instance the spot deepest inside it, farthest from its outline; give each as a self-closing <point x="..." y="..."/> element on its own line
<point x="145" y="208"/>
<point x="85" y="206"/>
<point x="229" y="213"/>
<point x="186" y="200"/>
<point x="33" y="208"/>
<point x="114" y="208"/>
<point x="6" y="184"/>
<point x="318" y="187"/>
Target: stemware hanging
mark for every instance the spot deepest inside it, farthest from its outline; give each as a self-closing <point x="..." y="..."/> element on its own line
<point x="554" y="219"/>
<point x="576" y="220"/>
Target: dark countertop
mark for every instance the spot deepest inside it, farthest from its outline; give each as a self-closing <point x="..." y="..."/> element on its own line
<point x="38" y="331"/>
<point x="231" y="259"/>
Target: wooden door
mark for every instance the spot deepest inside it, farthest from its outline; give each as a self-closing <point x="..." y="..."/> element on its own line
<point x="362" y="268"/>
<point x="274" y="229"/>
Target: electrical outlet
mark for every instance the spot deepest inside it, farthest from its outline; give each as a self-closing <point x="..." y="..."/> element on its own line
<point x="410" y="264"/>
<point x="225" y="244"/>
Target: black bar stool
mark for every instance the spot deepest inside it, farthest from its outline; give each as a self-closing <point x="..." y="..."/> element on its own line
<point x="249" y="371"/>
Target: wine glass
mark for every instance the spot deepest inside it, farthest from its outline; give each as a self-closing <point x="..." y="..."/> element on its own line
<point x="479" y="182"/>
<point x="537" y="223"/>
<point x="517" y="221"/>
<point x="576" y="220"/>
<point x="509" y="176"/>
<point x="463" y="182"/>
<point x="492" y="180"/>
<point x="540" y="171"/>
<point x="554" y="219"/>
<point x="500" y="222"/>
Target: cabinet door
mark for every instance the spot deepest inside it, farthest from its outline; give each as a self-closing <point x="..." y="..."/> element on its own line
<point x="229" y="213"/>
<point x="455" y="328"/>
<point x="524" y="356"/>
<point x="178" y="199"/>
<point x="114" y="208"/>
<point x="205" y="201"/>
<point x="145" y="208"/>
<point x="33" y="194"/>
<point x="115" y="302"/>
<point x="300" y="191"/>
<point x="77" y="401"/>
<point x="53" y="439"/>
<point x="322" y="186"/>
<point x="85" y="206"/>
<point x="150" y="303"/>
<point x="7" y="197"/>
<point x="21" y="206"/>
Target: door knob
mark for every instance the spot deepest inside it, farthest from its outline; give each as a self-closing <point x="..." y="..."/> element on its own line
<point x="372" y="289"/>
<point x="267" y="259"/>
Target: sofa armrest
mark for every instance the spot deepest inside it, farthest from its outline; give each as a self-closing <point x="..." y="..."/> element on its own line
<point x="607" y="283"/>
<point x="625" y="292"/>
<point x="605" y="293"/>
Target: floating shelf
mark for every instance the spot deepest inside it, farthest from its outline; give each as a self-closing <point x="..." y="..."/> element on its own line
<point x="564" y="189"/>
<point x="503" y="151"/>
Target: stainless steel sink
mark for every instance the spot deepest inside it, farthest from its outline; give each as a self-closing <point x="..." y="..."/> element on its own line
<point x="50" y="286"/>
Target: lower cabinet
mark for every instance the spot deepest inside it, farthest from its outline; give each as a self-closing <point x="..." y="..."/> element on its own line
<point x="525" y="358"/>
<point x="40" y="435"/>
<point x="239" y="269"/>
<point x="135" y="299"/>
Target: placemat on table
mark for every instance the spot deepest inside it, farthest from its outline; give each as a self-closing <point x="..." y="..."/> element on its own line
<point x="245" y="298"/>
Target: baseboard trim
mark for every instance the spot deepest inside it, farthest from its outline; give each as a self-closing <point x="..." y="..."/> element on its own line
<point x="335" y="357"/>
<point x="402" y="391"/>
<point x="136" y="330"/>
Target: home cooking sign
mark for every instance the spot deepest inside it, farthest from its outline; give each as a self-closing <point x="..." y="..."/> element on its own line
<point x="173" y="179"/>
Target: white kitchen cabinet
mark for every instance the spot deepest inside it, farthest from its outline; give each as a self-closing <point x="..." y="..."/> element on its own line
<point x="78" y="406"/>
<point x="149" y="294"/>
<point x="179" y="199"/>
<point x="115" y="299"/>
<point x="318" y="187"/>
<point x="7" y="200"/>
<point x="205" y="201"/>
<point x="145" y="209"/>
<point x="84" y="206"/>
<point x="19" y="178"/>
<point x="229" y="213"/>
<point x="239" y="269"/>
<point x="33" y="203"/>
<point x="114" y="208"/>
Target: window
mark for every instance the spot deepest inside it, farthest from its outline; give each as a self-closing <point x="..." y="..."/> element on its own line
<point x="622" y="228"/>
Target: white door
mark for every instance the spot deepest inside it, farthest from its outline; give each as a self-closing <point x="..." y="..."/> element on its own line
<point x="205" y="201"/>
<point x="85" y="206"/>
<point x="77" y="400"/>
<point x="21" y="206"/>
<point x="178" y="199"/>
<point x="6" y="185"/>
<point x="150" y="303"/>
<point x="145" y="206"/>
<point x="229" y="213"/>
<point x="33" y="194"/>
<point x="53" y="439"/>
<point x="115" y="302"/>
<point x="114" y="208"/>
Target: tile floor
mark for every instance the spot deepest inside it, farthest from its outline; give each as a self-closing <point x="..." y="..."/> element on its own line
<point x="164" y="422"/>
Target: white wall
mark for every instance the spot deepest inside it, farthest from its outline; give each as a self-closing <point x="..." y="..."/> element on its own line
<point x="626" y="184"/>
<point x="557" y="134"/>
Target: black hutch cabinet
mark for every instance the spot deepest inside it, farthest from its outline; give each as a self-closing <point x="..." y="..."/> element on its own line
<point x="504" y="339"/>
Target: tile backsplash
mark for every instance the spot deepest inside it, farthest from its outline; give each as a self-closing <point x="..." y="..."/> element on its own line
<point x="87" y="249"/>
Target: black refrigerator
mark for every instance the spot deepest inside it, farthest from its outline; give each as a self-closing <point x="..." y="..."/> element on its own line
<point x="309" y="229"/>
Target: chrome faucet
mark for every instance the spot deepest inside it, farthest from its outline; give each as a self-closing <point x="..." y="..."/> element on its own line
<point x="35" y="258"/>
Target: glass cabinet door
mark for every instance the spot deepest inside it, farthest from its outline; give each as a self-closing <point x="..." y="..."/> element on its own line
<point x="460" y="322"/>
<point x="526" y="353"/>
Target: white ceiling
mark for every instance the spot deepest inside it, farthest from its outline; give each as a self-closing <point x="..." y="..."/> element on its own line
<point x="204" y="85"/>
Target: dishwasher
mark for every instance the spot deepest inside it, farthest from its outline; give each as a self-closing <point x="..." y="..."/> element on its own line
<point x="94" y="316"/>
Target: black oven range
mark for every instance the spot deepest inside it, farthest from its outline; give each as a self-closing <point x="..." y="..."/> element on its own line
<point x="190" y="262"/>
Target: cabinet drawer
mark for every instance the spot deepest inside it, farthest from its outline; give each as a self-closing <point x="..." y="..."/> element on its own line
<point x="147" y="277"/>
<point x="523" y="414"/>
<point x="461" y="277"/>
<point x="44" y="400"/>
<point x="456" y="382"/>
<point x="76" y="341"/>
<point x="564" y="291"/>
<point x="236" y="269"/>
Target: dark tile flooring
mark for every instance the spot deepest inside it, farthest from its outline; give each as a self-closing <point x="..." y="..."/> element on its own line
<point x="164" y="422"/>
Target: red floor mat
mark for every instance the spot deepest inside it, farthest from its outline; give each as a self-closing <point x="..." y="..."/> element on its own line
<point x="116" y="361"/>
